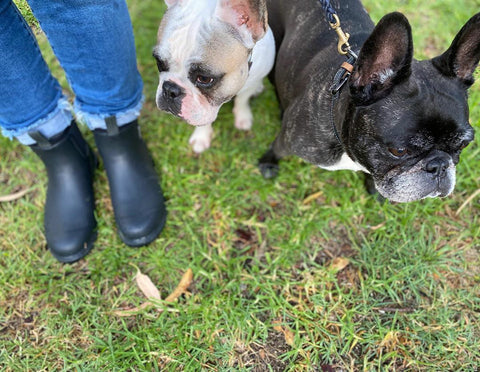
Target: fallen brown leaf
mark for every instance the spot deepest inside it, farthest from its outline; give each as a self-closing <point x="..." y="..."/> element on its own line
<point x="339" y="263"/>
<point x="149" y="290"/>
<point x="287" y="333"/>
<point x="182" y="286"/>
<point x="146" y="286"/>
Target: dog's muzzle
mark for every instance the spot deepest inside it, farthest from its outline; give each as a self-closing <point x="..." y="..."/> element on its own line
<point x="172" y="96"/>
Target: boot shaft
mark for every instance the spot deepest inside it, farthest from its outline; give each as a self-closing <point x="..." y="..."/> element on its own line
<point x="70" y="225"/>
<point x="66" y="152"/>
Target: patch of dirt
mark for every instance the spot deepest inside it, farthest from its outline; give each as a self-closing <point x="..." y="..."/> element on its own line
<point x="467" y="277"/>
<point x="20" y="319"/>
<point x="262" y="357"/>
<point x="18" y="322"/>
<point x="339" y="245"/>
<point x="247" y="242"/>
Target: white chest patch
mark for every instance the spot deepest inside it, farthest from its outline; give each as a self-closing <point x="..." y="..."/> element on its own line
<point x="345" y="163"/>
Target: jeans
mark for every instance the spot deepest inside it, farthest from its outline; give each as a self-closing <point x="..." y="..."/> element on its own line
<point x="93" y="41"/>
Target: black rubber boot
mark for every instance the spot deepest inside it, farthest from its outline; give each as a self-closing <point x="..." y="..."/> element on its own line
<point x="137" y="198"/>
<point x="70" y="225"/>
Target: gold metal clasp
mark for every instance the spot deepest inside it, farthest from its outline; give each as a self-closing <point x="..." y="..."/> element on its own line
<point x="342" y="36"/>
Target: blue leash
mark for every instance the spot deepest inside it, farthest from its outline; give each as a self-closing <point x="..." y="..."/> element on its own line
<point x="334" y="22"/>
<point x="330" y="11"/>
<point x="346" y="68"/>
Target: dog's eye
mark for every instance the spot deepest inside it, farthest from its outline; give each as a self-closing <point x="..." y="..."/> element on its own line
<point x="161" y="65"/>
<point x="399" y="153"/>
<point x="204" y="81"/>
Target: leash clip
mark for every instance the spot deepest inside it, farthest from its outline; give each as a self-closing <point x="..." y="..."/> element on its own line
<point x="342" y="36"/>
<point x="342" y="76"/>
<point x="338" y="85"/>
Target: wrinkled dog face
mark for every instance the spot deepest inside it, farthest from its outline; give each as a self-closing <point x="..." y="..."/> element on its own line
<point x="411" y="117"/>
<point x="412" y="154"/>
<point x="202" y="61"/>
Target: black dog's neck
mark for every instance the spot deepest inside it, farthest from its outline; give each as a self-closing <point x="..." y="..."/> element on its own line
<point x="338" y="115"/>
<point x="339" y="85"/>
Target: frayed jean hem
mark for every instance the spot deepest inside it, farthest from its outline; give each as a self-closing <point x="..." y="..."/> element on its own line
<point x="97" y="121"/>
<point x="55" y="122"/>
<point x="61" y="117"/>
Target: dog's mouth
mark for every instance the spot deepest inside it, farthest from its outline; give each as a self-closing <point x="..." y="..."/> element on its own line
<point x="416" y="185"/>
<point x="189" y="106"/>
<point x="173" y="108"/>
<point x="176" y="110"/>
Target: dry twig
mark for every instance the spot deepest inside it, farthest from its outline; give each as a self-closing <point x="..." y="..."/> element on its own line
<point x="469" y="199"/>
<point x="14" y="196"/>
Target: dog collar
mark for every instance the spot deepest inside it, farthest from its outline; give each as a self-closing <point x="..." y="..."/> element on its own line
<point x="339" y="80"/>
<point x="343" y="74"/>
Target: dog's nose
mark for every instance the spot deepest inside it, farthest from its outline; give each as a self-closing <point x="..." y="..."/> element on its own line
<point x="172" y="91"/>
<point x="438" y="166"/>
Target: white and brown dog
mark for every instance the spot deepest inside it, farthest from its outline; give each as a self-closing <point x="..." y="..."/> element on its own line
<point x="208" y="52"/>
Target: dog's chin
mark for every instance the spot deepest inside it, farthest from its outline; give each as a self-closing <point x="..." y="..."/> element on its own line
<point x="199" y="116"/>
<point x="404" y="188"/>
<point x="196" y="123"/>
<point x="197" y="120"/>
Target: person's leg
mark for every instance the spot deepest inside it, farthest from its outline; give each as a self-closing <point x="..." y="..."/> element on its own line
<point x="93" y="40"/>
<point x="30" y="98"/>
<point x="33" y="109"/>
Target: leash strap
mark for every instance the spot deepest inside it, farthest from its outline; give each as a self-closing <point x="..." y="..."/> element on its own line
<point x="330" y="12"/>
<point x="345" y="70"/>
<point x="334" y="22"/>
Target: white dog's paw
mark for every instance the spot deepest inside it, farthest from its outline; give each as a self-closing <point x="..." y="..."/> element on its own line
<point x="243" y="118"/>
<point x="199" y="145"/>
<point x="201" y="138"/>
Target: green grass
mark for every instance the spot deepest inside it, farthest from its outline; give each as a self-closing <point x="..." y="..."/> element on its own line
<point x="265" y="294"/>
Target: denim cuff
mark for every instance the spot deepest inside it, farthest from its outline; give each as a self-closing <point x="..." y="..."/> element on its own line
<point x="55" y="122"/>
<point x="97" y="121"/>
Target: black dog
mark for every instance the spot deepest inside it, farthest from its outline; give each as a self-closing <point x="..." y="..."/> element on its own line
<point x="402" y="121"/>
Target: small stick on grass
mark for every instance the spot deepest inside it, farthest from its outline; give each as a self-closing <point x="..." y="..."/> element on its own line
<point x="469" y="199"/>
<point x="14" y="196"/>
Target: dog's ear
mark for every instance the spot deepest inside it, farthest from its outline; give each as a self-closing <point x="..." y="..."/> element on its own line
<point x="384" y="60"/>
<point x="249" y="17"/>
<point x="461" y="59"/>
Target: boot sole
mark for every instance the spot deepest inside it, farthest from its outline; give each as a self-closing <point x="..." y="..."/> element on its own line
<point x="147" y="239"/>
<point x="80" y="254"/>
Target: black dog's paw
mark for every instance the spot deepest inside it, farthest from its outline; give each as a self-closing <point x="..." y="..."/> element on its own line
<point x="372" y="190"/>
<point x="268" y="170"/>
<point x="370" y="185"/>
<point x="268" y="165"/>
